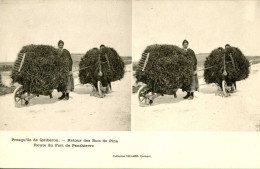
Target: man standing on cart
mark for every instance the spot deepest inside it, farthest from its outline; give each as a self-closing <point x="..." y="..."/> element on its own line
<point x="70" y="80"/>
<point x="195" y="83"/>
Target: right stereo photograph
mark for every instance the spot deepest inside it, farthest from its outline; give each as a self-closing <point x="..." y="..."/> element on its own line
<point x="195" y="65"/>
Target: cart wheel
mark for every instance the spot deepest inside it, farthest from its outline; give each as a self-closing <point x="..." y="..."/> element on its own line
<point x="100" y="92"/>
<point x="19" y="96"/>
<point x="143" y="96"/>
<point x="225" y="88"/>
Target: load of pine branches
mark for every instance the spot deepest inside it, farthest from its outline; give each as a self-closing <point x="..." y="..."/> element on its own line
<point x="111" y="64"/>
<point x="236" y="65"/>
<point x="44" y="69"/>
<point x="168" y="68"/>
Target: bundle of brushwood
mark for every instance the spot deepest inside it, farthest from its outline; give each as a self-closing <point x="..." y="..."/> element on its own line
<point x="231" y="61"/>
<point x="168" y="68"/>
<point x="105" y="60"/>
<point x="43" y="69"/>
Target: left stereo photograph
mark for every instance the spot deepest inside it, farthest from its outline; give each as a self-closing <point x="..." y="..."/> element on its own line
<point x="65" y="65"/>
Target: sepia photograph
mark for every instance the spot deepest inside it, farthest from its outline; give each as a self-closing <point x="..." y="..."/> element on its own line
<point x="129" y="83"/>
<point x="65" y="65"/>
<point x="196" y="65"/>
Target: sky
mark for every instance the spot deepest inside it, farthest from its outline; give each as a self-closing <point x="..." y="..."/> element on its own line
<point x="81" y="24"/>
<point x="205" y="24"/>
<point x="129" y="26"/>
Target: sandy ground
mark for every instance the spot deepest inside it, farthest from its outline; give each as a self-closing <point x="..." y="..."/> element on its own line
<point x="81" y="112"/>
<point x="207" y="112"/>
